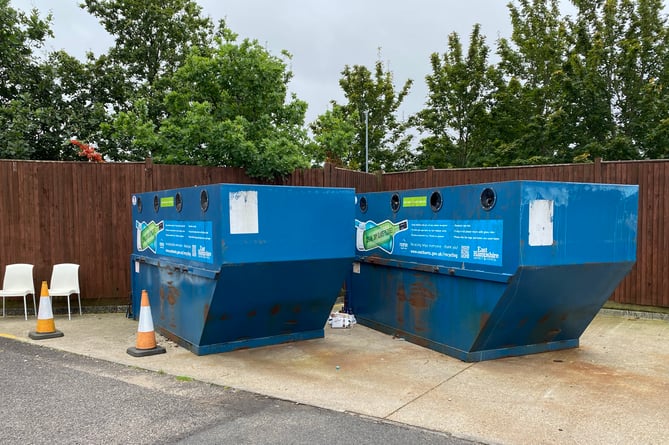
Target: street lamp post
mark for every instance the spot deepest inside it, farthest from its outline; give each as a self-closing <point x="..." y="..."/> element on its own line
<point x="366" y="141"/>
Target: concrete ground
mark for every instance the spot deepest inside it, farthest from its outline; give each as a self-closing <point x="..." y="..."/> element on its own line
<point x="613" y="389"/>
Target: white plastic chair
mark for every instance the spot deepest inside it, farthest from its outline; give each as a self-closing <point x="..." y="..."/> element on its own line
<point x="65" y="282"/>
<point x="18" y="282"/>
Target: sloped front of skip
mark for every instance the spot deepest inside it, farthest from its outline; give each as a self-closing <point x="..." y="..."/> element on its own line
<point x="491" y="270"/>
<point x="232" y="266"/>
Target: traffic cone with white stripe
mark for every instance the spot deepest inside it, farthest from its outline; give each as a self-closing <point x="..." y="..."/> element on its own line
<point x="46" y="327"/>
<point x="146" y="337"/>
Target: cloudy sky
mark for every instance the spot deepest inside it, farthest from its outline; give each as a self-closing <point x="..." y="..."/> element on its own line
<point x="323" y="36"/>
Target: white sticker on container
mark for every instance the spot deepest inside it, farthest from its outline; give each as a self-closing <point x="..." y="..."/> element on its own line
<point x="541" y="223"/>
<point x="243" y="212"/>
<point x="356" y="267"/>
<point x="136" y="266"/>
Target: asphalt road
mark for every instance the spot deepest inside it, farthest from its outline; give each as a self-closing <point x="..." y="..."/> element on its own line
<point x="49" y="396"/>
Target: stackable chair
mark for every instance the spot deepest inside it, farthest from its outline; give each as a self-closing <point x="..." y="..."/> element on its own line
<point x="65" y="282"/>
<point x="18" y="282"/>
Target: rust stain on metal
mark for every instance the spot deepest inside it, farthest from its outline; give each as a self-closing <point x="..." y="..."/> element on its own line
<point x="484" y="320"/>
<point x="225" y="316"/>
<point x="171" y="336"/>
<point x="417" y="296"/>
<point x="421" y="296"/>
<point x="375" y="259"/>
<point x="550" y="335"/>
<point x="420" y="341"/>
<point x="297" y="309"/>
<point x="206" y="312"/>
<point x="401" y="299"/>
<point x="545" y="318"/>
<point x="522" y="322"/>
<point x="161" y="292"/>
<point x="252" y="313"/>
<point x="401" y="294"/>
<point x="275" y="309"/>
<point x="291" y="322"/>
<point x="173" y="294"/>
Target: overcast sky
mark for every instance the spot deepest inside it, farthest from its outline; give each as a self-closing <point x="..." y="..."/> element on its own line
<point x="323" y="36"/>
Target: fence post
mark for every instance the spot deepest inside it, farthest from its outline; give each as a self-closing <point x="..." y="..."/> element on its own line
<point x="429" y="177"/>
<point x="597" y="170"/>
<point x="148" y="174"/>
<point x="327" y="174"/>
<point x="380" y="180"/>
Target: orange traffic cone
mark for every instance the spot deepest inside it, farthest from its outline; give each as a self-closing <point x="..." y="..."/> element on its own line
<point x="46" y="327"/>
<point x="146" y="337"/>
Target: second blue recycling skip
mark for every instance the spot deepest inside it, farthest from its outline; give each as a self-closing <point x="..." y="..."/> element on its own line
<point x="491" y="270"/>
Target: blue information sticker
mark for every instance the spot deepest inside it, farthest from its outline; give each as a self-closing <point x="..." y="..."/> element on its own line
<point x="192" y="240"/>
<point x="466" y="241"/>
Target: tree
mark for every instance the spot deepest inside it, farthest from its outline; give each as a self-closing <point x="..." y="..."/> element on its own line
<point x="456" y="116"/>
<point x="334" y="134"/>
<point x="615" y="78"/>
<point x="642" y="75"/>
<point x="153" y="37"/>
<point x="533" y="61"/>
<point x="372" y="107"/>
<point x="61" y="104"/>
<point x="587" y="86"/>
<point x="152" y="40"/>
<point x="21" y="84"/>
<point x="80" y="108"/>
<point x="20" y="36"/>
<point x="227" y="106"/>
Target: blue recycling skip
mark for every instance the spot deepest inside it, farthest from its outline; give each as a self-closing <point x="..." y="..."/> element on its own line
<point x="491" y="270"/>
<point x="231" y="266"/>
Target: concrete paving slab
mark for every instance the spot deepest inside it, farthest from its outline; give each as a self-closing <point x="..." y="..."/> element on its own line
<point x="601" y="393"/>
<point x="613" y="389"/>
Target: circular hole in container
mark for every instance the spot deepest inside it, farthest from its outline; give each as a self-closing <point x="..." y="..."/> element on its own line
<point x="363" y="204"/>
<point x="140" y="206"/>
<point x="488" y="198"/>
<point x="395" y="202"/>
<point x="178" y="202"/>
<point x="156" y="203"/>
<point x="204" y="200"/>
<point x="436" y="201"/>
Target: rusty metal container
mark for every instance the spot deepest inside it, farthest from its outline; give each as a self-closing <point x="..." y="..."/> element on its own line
<point x="492" y="270"/>
<point x="232" y="266"/>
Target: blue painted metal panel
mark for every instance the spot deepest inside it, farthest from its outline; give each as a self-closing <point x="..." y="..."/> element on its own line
<point x="247" y="266"/>
<point x="526" y="274"/>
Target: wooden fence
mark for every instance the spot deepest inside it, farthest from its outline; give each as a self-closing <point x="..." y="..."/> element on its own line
<point x="52" y="212"/>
